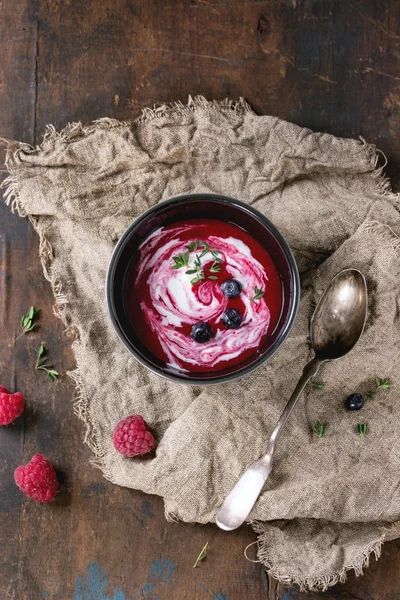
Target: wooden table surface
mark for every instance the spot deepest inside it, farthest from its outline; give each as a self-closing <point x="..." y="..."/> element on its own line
<point x="331" y="65"/>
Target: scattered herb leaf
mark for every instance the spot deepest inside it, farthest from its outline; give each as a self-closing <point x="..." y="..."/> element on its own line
<point x="320" y="428"/>
<point x="52" y="374"/>
<point x="362" y="429"/>
<point x="28" y="320"/>
<point x="41" y="350"/>
<point x="192" y="246"/>
<point x="201" y="556"/>
<point x="212" y="277"/>
<point x="205" y="247"/>
<point x="258" y="293"/>
<point x="215" y="255"/>
<point x="382" y="384"/>
<point x="197" y="263"/>
<point x="215" y="267"/>
<point x="181" y="260"/>
<point x="42" y="365"/>
<point x="198" y="278"/>
<point x="317" y="386"/>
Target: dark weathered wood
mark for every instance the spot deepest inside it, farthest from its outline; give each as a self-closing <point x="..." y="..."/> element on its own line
<point x="18" y="35"/>
<point x="332" y="65"/>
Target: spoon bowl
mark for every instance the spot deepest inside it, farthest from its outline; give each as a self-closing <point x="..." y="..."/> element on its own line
<point x="339" y="318"/>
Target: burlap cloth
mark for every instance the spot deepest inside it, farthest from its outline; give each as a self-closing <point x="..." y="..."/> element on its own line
<point x="330" y="502"/>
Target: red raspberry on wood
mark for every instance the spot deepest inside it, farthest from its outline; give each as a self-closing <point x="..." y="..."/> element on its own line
<point x="11" y="406"/>
<point x="131" y="436"/>
<point x="38" y="479"/>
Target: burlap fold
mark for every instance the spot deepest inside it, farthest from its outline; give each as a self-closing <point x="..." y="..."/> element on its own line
<point x="330" y="502"/>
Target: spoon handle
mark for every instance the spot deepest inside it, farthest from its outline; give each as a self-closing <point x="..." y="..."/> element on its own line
<point x="239" y="503"/>
<point x="309" y="371"/>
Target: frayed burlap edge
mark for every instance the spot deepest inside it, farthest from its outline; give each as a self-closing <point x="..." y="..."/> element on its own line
<point x="12" y="198"/>
<point x="323" y="581"/>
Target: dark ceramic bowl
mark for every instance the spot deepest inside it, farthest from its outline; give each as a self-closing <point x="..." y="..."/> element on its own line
<point x="199" y="206"/>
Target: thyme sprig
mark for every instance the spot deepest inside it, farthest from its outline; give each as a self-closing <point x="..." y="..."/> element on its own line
<point x="192" y="246"/>
<point x="215" y="267"/>
<point x="201" y="556"/>
<point x="216" y="255"/>
<point x="205" y="247"/>
<point x="258" y="293"/>
<point x="197" y="269"/>
<point x="320" y="428"/>
<point x="43" y="365"/>
<point x="28" y="321"/>
<point x="362" y="429"/>
<point x="182" y="260"/>
<point x="317" y="386"/>
<point x="381" y="384"/>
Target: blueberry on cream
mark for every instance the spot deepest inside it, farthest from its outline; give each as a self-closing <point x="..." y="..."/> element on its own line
<point x="231" y="288"/>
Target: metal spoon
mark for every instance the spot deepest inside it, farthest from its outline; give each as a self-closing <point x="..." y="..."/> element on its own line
<point x="336" y="326"/>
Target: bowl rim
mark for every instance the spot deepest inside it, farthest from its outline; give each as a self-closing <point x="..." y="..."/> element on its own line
<point x="292" y="312"/>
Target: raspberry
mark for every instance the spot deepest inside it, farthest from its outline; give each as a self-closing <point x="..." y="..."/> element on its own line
<point x="11" y="406"/>
<point x="38" y="479"/>
<point x="131" y="436"/>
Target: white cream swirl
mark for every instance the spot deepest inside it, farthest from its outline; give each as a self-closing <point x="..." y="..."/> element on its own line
<point x="175" y="301"/>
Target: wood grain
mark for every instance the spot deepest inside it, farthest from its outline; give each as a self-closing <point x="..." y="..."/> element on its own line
<point x="331" y="65"/>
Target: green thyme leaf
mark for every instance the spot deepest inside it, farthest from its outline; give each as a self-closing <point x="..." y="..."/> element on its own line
<point x="205" y="247"/>
<point x="215" y="267"/>
<point x="383" y="384"/>
<point x="317" y="386"/>
<point x="371" y="394"/>
<point x="191" y="271"/>
<point x="181" y="260"/>
<point x="43" y="365"/>
<point x="41" y="350"/>
<point x="198" y="278"/>
<point x="27" y="321"/>
<point x="212" y="277"/>
<point x="362" y="429"/>
<point x="192" y="246"/>
<point x="320" y="428"/>
<point x="258" y="293"/>
<point x="215" y="255"/>
<point x="52" y="374"/>
<point x="197" y="262"/>
<point x="201" y="556"/>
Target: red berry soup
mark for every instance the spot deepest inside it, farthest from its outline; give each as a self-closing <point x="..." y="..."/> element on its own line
<point x="203" y="295"/>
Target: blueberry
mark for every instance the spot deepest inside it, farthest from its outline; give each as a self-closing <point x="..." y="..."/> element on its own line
<point x="355" y="402"/>
<point x="201" y="333"/>
<point x="232" y="318"/>
<point x="231" y="288"/>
